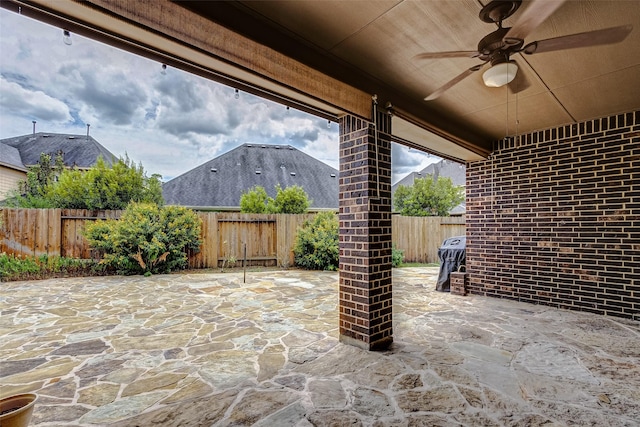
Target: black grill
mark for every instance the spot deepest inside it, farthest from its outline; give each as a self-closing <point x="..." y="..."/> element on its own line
<point x="452" y="255"/>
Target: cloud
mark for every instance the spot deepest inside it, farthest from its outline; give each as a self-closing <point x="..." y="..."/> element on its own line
<point x="18" y="101"/>
<point x="180" y="92"/>
<point x="170" y="123"/>
<point x="190" y="105"/>
<point x="103" y="93"/>
<point x="182" y="125"/>
<point x="406" y="160"/>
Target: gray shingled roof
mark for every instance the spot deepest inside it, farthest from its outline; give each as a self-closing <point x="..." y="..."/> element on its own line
<point x="445" y="168"/>
<point x="10" y="157"/>
<point x="221" y="181"/>
<point x="79" y="150"/>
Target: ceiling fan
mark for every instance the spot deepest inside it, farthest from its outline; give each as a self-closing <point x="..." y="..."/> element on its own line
<point x="497" y="47"/>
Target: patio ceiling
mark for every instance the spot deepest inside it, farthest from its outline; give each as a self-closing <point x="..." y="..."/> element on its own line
<point x="336" y="51"/>
<point x="372" y="46"/>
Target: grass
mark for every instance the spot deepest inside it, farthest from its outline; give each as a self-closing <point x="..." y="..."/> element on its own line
<point x="16" y="267"/>
<point x="418" y="264"/>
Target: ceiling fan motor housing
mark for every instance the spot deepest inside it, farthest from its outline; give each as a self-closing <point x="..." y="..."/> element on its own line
<point x="495" y="42"/>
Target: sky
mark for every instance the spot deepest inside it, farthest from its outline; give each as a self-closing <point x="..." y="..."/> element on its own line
<point x="169" y="123"/>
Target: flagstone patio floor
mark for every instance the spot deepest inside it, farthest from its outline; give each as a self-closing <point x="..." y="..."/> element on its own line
<point x="210" y="350"/>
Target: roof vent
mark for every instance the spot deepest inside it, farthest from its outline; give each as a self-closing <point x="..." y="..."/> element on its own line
<point x="264" y="146"/>
<point x="290" y="148"/>
<point x="72" y="137"/>
<point x="333" y="175"/>
<point x="258" y="172"/>
<point x="293" y="174"/>
<point x="214" y="170"/>
<point x="249" y="145"/>
<point x="45" y="136"/>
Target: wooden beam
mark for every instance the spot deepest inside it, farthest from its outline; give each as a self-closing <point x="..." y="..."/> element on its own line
<point x="165" y="31"/>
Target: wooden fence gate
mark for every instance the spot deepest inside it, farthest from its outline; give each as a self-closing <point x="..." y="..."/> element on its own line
<point x="259" y="236"/>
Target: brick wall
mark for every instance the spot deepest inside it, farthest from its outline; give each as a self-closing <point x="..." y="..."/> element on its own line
<point x="554" y="218"/>
<point x="365" y="234"/>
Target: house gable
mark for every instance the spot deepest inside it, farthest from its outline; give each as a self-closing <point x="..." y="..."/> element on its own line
<point x="81" y="151"/>
<point x="20" y="152"/>
<point x="220" y="182"/>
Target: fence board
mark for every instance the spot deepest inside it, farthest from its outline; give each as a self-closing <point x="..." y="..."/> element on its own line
<point x="287" y="230"/>
<point x="207" y="256"/>
<point x="41" y="228"/>
<point x="420" y="237"/>
<point x="54" y="232"/>
<point x="9" y="243"/>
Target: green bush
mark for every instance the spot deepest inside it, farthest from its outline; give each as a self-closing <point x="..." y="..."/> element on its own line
<point x="16" y="267"/>
<point x="316" y="246"/>
<point x="101" y="187"/>
<point x="254" y="200"/>
<point x="427" y="197"/>
<point x="397" y="257"/>
<point x="290" y="200"/>
<point x="146" y="239"/>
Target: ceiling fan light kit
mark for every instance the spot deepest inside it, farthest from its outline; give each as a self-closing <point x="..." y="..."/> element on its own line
<point x="498" y="46"/>
<point x="500" y="74"/>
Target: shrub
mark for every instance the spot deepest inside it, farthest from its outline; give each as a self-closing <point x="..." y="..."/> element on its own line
<point x="290" y="200"/>
<point x="316" y="246"/>
<point x="146" y="239"/>
<point x="397" y="257"/>
<point x="254" y="200"/>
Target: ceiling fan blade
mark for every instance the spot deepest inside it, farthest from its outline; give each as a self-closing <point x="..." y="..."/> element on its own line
<point x="531" y="17"/>
<point x="590" y="38"/>
<point x="451" y="54"/>
<point x="520" y="82"/>
<point x="453" y="82"/>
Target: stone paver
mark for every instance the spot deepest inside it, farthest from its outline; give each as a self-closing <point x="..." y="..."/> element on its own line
<point x="210" y="350"/>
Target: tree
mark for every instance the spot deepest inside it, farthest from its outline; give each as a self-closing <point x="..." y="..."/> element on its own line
<point x="428" y="197"/>
<point x="101" y="187"/>
<point x="254" y="200"/>
<point x="291" y="200"/>
<point x="32" y="191"/>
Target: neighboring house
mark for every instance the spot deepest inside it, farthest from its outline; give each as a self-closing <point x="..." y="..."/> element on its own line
<point x="17" y="154"/>
<point x="219" y="183"/>
<point x="12" y="170"/>
<point x="444" y="168"/>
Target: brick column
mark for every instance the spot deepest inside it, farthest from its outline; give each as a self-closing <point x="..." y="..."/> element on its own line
<point x="365" y="233"/>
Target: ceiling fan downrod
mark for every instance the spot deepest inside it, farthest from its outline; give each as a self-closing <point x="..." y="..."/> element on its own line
<point x="497" y="11"/>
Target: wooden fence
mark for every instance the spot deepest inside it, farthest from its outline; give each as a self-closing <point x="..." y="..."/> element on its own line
<point x="269" y="239"/>
<point x="420" y="237"/>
